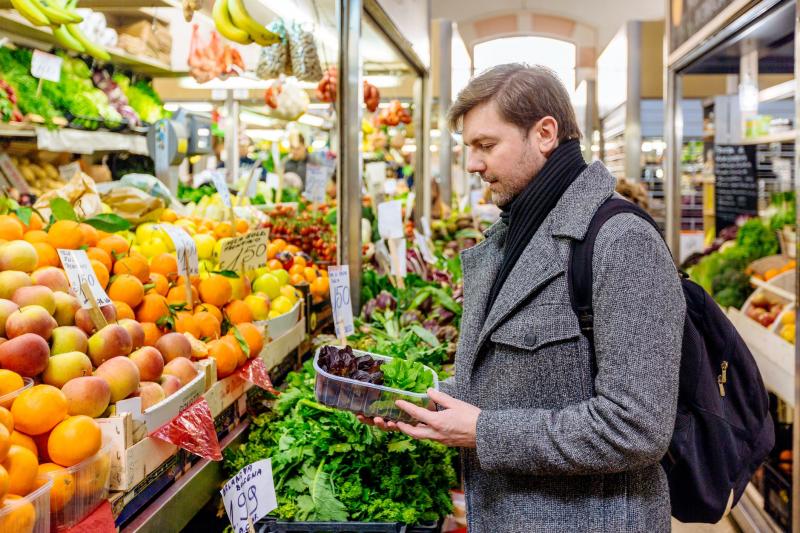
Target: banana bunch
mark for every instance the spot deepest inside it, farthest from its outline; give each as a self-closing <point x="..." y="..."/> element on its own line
<point x="60" y="15"/>
<point x="41" y="177"/>
<point x="235" y="23"/>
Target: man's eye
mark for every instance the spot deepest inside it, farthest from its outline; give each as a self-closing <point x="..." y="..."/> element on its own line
<point x="487" y="147"/>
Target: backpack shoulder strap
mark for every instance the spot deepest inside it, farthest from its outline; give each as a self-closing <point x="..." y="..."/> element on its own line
<point x="580" y="274"/>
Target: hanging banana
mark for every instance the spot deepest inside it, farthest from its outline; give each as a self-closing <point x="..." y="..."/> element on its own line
<point x="242" y="19"/>
<point x="225" y="26"/>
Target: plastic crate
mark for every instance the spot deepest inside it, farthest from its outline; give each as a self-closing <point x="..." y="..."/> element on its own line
<point x="30" y="514"/>
<point x="271" y="525"/>
<point x="7" y="399"/>
<point x="366" y="398"/>
<point x="778" y="497"/>
<point x="90" y="479"/>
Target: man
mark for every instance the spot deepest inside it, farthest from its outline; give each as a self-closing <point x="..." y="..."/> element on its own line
<point x="552" y="438"/>
<point x="298" y="157"/>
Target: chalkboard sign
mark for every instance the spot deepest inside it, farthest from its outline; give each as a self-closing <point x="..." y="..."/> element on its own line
<point x="687" y="17"/>
<point x="736" y="187"/>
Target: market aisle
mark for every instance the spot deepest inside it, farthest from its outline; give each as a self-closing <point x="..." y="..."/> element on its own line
<point x="725" y="526"/>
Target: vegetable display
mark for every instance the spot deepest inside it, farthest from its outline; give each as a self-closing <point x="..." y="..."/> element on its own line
<point x="141" y="97"/>
<point x="409" y="376"/>
<point x="15" y="66"/>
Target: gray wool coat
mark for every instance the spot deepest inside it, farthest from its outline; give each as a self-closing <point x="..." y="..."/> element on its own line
<point x="555" y="451"/>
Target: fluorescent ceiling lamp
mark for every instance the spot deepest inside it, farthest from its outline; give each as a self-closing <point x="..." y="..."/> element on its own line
<point x="436" y="134"/>
<point x="255" y="119"/>
<point x="321" y="105"/>
<point x="408" y="149"/>
<point x="199" y="107"/>
<point x="232" y="83"/>
<point x="383" y="80"/>
<point x="311" y="120"/>
<point x="265" y="134"/>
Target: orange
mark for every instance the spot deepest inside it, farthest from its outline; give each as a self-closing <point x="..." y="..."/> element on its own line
<point x="177" y="295"/>
<point x="292" y="249"/>
<point x="184" y="323"/>
<point x="241" y="357"/>
<point x="115" y="245"/>
<point x="10" y="381"/>
<point x="242" y="225"/>
<point x="297" y="279"/>
<point x="226" y="357"/>
<point x="35" y="236"/>
<point x="166" y="265"/>
<point x="154" y="307"/>
<point x="237" y="312"/>
<point x="168" y="215"/>
<point x="22" y="467"/>
<point x="35" y="223"/>
<point x="98" y="254"/>
<point x="324" y="273"/>
<point x="21" y="439"/>
<point x="151" y="333"/>
<point x="48" y="256"/>
<point x="65" y="234"/>
<point x="207" y="324"/>
<point x="215" y="290"/>
<point x="63" y="488"/>
<point x="299" y="260"/>
<point x="37" y="410"/>
<point x="135" y="266"/>
<point x="272" y="251"/>
<point x="3" y="482"/>
<point x="280" y="243"/>
<point x="100" y="271"/>
<point x="20" y="516"/>
<point x="213" y="309"/>
<point x="7" y="420"/>
<point x="159" y="283"/>
<point x="123" y="310"/>
<point x="11" y="229"/>
<point x="274" y="264"/>
<point x="320" y="287"/>
<point x="297" y="270"/>
<point x="90" y="235"/>
<point x="5" y="442"/>
<point x="310" y="274"/>
<point x="126" y="288"/>
<point x="254" y="337"/>
<point x="75" y="439"/>
<point x="94" y="481"/>
<point x="222" y="230"/>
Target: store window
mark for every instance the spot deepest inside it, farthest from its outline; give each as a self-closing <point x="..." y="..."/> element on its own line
<point x="553" y="53"/>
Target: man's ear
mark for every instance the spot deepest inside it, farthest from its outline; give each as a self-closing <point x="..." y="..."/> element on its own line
<point x="546" y="132"/>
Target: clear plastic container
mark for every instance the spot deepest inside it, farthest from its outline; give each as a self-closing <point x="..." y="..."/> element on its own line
<point x="30" y="514"/>
<point x="84" y="489"/>
<point x="366" y="398"/>
<point x="7" y="399"/>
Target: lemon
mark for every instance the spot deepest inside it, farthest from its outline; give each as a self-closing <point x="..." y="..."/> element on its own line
<point x="281" y="304"/>
<point x="205" y="245"/>
<point x="153" y="247"/>
<point x="145" y="232"/>
<point x="282" y="276"/>
<point x="269" y="285"/>
<point x="273" y="314"/>
<point x="290" y="293"/>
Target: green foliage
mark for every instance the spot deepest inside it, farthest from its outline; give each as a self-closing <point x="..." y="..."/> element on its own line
<point x="406" y="375"/>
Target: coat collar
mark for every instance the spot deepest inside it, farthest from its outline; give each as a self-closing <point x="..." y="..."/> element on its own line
<point x="574" y="211"/>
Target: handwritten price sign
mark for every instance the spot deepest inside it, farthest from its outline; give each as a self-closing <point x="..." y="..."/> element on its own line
<point x="339" y="278"/>
<point x="79" y="270"/>
<point x="250" y="495"/>
<point x="185" y="249"/>
<point x="222" y="187"/>
<point x="46" y="66"/>
<point x="247" y="252"/>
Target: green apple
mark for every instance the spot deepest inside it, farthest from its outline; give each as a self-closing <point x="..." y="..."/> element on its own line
<point x="269" y="285"/>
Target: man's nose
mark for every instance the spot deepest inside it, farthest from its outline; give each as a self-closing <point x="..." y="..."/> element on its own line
<point x="475" y="164"/>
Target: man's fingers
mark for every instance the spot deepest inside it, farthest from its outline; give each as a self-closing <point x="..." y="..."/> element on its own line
<point x="420" y="431"/>
<point x="365" y="420"/>
<point x="421" y="414"/>
<point x="445" y="400"/>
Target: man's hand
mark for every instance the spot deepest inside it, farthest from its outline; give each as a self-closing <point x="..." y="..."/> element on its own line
<point x="455" y="426"/>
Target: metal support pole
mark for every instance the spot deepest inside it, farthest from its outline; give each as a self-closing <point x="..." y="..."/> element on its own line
<point x="445" y="98"/>
<point x="673" y="130"/>
<point x="232" y="138"/>
<point x="348" y="162"/>
<point x="633" y="104"/>
<point x="422" y="165"/>
<point x="796" y="425"/>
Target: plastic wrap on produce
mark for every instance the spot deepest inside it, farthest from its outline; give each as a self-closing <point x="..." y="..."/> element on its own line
<point x="256" y="373"/>
<point x="152" y="186"/>
<point x="274" y="59"/>
<point x="132" y="204"/>
<point x="303" y="53"/>
<point x="81" y="192"/>
<point x="193" y="430"/>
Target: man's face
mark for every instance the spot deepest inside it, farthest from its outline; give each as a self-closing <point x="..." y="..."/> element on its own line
<point x="298" y="152"/>
<point x="504" y="156"/>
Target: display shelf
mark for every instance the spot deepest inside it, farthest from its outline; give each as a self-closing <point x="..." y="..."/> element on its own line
<point x="12" y="24"/>
<point x="750" y="516"/>
<point x="77" y="141"/>
<point x="771" y="288"/>
<point x="17" y="130"/>
<point x="782" y="137"/>
<point x="774" y="356"/>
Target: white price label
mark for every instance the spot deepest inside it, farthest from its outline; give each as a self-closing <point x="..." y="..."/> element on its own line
<point x="339" y="278"/>
<point x="67" y="172"/>
<point x="390" y="219"/>
<point x="250" y="495"/>
<point x="273" y="180"/>
<point x="46" y="66"/>
<point x="247" y="252"/>
<point x="185" y="249"/>
<point x="13" y="176"/>
<point x="376" y="174"/>
<point x="316" y="183"/>
<point x="422" y="244"/>
<point x="399" y="266"/>
<point x="222" y="187"/>
<point x="79" y="270"/>
<point x="390" y="187"/>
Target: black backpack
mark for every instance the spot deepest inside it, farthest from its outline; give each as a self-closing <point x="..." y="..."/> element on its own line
<point x="723" y="430"/>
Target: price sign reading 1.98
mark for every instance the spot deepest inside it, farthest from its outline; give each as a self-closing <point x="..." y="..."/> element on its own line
<point x="339" y="277"/>
<point x="79" y="270"/>
<point x="250" y="495"/>
<point x="247" y="252"/>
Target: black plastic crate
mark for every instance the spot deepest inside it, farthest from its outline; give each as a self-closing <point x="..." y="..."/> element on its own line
<point x="271" y="525"/>
<point x="778" y="497"/>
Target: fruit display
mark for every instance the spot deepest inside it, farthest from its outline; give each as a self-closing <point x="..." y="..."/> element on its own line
<point x="41" y="176"/>
<point x="8" y="104"/>
<point x="788" y="329"/>
<point x="213" y="59"/>
<point x="393" y="115"/>
<point x="764" y="309"/>
<point x="309" y="230"/>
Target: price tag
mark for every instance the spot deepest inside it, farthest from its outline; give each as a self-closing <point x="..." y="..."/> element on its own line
<point x="376" y="174"/>
<point x="185" y="249"/>
<point x="422" y="244"/>
<point x="273" y="180"/>
<point x="13" y="176"/>
<point x="67" y="172"/>
<point x="398" y="259"/>
<point x="339" y="278"/>
<point x="250" y="495"/>
<point x="46" y="66"/>
<point x="410" y="204"/>
<point x="79" y="269"/>
<point x="390" y="187"/>
<point x="390" y="219"/>
<point x="222" y="187"/>
<point x="316" y="183"/>
<point x="247" y="252"/>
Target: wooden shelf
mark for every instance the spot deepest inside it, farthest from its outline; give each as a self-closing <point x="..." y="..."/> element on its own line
<point x="19" y="29"/>
<point x="783" y="137"/>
